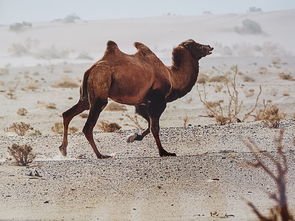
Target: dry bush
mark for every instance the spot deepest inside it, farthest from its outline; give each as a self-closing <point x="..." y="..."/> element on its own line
<point x="286" y="94"/>
<point x="4" y="71"/>
<point x="67" y="70"/>
<point x="134" y="120"/>
<point x="287" y="77"/>
<point x="263" y="70"/>
<point x="280" y="211"/>
<point x="31" y="86"/>
<point x="249" y="93"/>
<point x="22" y="154"/>
<point x="115" y="107"/>
<point x="185" y="121"/>
<point x="249" y="79"/>
<point x="218" y="88"/>
<point x="219" y="78"/>
<point x="202" y="78"/>
<point x="231" y="112"/>
<point x="270" y="115"/>
<point x="66" y="82"/>
<point x="19" y="128"/>
<point x="22" y="112"/>
<point x="47" y="105"/>
<point x="108" y="127"/>
<point x="58" y="128"/>
<point x="84" y="115"/>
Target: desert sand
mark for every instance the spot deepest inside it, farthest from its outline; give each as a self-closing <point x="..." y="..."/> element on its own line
<point x="41" y="69"/>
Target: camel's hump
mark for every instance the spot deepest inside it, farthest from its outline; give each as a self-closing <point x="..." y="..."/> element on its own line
<point x="111" y="46"/>
<point x="143" y="48"/>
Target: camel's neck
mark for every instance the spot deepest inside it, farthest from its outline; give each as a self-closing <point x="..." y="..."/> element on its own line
<point x="184" y="73"/>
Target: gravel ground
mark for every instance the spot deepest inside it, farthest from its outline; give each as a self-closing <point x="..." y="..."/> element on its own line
<point x="208" y="180"/>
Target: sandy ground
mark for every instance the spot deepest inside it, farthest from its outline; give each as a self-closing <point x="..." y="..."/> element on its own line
<point x="209" y="178"/>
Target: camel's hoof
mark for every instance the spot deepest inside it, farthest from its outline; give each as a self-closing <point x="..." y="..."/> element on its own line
<point x="103" y="157"/>
<point x="167" y="154"/>
<point x="63" y="151"/>
<point x="131" y="138"/>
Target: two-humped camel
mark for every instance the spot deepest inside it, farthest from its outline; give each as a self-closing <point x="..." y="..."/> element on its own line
<point x="141" y="80"/>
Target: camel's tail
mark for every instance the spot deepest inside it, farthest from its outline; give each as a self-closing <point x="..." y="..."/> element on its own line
<point x="83" y="89"/>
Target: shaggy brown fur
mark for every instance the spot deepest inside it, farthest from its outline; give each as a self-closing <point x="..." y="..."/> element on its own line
<point x="141" y="80"/>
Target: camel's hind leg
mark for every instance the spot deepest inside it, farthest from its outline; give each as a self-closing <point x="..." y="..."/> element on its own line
<point x="95" y="109"/>
<point x="67" y="117"/>
<point x="142" y="111"/>
<point x="155" y="110"/>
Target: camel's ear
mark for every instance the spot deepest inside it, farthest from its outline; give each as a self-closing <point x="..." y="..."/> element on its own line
<point x="177" y="56"/>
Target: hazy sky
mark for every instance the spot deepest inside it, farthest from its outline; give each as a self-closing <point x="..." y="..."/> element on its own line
<point x="47" y="10"/>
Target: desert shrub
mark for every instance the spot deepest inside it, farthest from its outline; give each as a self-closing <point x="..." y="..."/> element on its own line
<point x="233" y="110"/>
<point x="108" y="127"/>
<point x="47" y="105"/>
<point x="22" y="112"/>
<point x="22" y="154"/>
<point x="287" y="77"/>
<point x="270" y="115"/>
<point x="18" y="27"/>
<point x="19" y="128"/>
<point x="66" y="82"/>
<point x="84" y="56"/>
<point x="72" y="18"/>
<point x="219" y="78"/>
<point x="115" y="107"/>
<point x="255" y="9"/>
<point x="67" y="70"/>
<point x="51" y="53"/>
<point x="84" y="115"/>
<point x="202" y="78"/>
<point x="249" y="27"/>
<point x="249" y="79"/>
<point x="4" y="71"/>
<point x="280" y="211"/>
<point x="134" y="120"/>
<point x="58" y="128"/>
<point x="33" y="85"/>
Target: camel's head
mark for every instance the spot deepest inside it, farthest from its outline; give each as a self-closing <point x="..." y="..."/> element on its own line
<point x="197" y="50"/>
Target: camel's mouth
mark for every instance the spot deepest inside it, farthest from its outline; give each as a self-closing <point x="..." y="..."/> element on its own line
<point x="208" y="49"/>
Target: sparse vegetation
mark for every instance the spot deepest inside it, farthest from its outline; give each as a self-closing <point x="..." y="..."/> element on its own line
<point x="84" y="115"/>
<point x="33" y="85"/>
<point x="108" y="127"/>
<point x="219" y="78"/>
<point x="249" y="27"/>
<point x="58" y="128"/>
<point x="18" y="27"/>
<point x="287" y="77"/>
<point x="47" y="105"/>
<point x="4" y="71"/>
<point x="134" y="120"/>
<point x="270" y="115"/>
<point x="231" y="112"/>
<point x="22" y="112"/>
<point x="249" y="79"/>
<point x="66" y="82"/>
<point x="22" y="154"/>
<point x="84" y="56"/>
<point x="185" y="121"/>
<point x="202" y="78"/>
<point x="281" y="210"/>
<point x="20" y="128"/>
<point x="115" y="107"/>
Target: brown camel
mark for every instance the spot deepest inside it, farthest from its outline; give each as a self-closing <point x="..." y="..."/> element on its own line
<point x="141" y="80"/>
